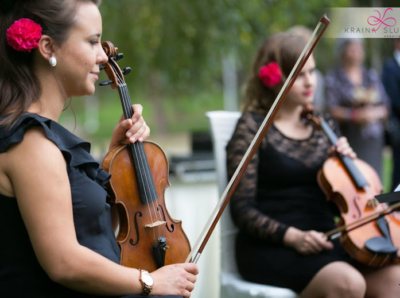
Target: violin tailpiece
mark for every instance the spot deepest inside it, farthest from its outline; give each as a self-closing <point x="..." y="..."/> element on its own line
<point x="159" y="251"/>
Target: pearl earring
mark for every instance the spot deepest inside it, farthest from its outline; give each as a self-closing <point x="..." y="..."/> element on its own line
<point x="53" y="61"/>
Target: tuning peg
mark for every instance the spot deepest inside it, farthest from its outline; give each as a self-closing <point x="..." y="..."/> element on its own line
<point x="105" y="83"/>
<point x="102" y="67"/>
<point x="119" y="56"/>
<point x="126" y="70"/>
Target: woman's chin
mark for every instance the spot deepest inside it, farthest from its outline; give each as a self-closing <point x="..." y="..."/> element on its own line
<point x="306" y="100"/>
<point x="89" y="91"/>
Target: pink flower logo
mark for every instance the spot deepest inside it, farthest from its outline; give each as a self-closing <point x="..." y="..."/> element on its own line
<point x="375" y="21"/>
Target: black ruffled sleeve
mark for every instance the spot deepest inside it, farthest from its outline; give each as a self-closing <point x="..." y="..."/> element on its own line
<point x="76" y="152"/>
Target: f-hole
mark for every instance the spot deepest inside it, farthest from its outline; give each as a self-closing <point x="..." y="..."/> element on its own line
<point x="137" y="230"/>
<point x="172" y="229"/>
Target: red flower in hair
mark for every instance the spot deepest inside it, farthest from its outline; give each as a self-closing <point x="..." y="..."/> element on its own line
<point x="23" y="35"/>
<point x="270" y="74"/>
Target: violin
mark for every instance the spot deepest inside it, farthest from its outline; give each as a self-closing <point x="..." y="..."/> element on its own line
<point x="367" y="230"/>
<point x="145" y="232"/>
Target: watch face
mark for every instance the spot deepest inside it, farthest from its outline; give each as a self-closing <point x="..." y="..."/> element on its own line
<point x="147" y="279"/>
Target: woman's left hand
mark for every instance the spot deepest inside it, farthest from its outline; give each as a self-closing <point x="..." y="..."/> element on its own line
<point x="130" y="130"/>
<point x="343" y="147"/>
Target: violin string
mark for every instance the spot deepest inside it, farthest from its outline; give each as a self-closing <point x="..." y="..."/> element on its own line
<point x="140" y="154"/>
<point x="152" y="190"/>
<point x="150" y="183"/>
<point x="147" y="173"/>
<point x="127" y="108"/>
<point x="142" y="176"/>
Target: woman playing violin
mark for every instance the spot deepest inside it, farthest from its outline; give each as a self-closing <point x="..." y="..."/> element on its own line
<point x="280" y="210"/>
<point x="58" y="239"/>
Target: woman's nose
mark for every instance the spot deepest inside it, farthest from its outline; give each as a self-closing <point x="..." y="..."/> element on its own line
<point x="102" y="57"/>
<point x="308" y="79"/>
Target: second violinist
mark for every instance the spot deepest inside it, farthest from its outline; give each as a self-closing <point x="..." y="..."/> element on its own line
<point x="280" y="210"/>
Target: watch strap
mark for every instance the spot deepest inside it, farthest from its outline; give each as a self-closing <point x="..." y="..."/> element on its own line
<point x="145" y="288"/>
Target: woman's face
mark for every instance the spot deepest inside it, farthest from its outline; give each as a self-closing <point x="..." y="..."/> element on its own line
<point x="79" y="57"/>
<point x="302" y="91"/>
<point x="353" y="53"/>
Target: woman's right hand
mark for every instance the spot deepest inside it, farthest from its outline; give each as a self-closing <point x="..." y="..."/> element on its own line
<point x="306" y="242"/>
<point x="177" y="279"/>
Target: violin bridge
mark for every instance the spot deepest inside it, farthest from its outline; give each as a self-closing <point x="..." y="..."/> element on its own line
<point x="372" y="203"/>
<point x="155" y="224"/>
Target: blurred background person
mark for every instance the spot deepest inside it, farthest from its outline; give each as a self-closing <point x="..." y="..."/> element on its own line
<point x="391" y="81"/>
<point x="356" y="98"/>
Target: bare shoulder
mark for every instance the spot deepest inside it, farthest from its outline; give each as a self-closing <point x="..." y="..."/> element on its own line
<point x="40" y="184"/>
<point x="34" y="154"/>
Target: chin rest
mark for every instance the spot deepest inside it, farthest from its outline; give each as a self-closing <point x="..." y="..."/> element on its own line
<point x="381" y="245"/>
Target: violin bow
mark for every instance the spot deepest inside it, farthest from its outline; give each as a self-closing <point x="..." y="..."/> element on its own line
<point x="335" y="233"/>
<point x="205" y="235"/>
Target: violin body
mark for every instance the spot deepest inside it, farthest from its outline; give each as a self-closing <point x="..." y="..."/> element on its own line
<point x="355" y="204"/>
<point x="130" y="216"/>
<point x="367" y="232"/>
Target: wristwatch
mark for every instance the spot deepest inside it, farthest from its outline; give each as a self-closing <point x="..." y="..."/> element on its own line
<point x="147" y="282"/>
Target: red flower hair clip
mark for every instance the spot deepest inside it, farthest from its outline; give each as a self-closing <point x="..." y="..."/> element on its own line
<point x="23" y="35"/>
<point x="270" y="74"/>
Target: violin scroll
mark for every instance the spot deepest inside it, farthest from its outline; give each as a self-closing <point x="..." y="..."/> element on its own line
<point x="114" y="73"/>
<point x="109" y="49"/>
<point x="308" y="116"/>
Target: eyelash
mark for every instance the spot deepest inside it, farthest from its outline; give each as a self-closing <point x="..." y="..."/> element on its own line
<point x="302" y="73"/>
<point x="94" y="42"/>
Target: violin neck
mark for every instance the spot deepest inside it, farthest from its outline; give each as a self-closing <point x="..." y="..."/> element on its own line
<point x="145" y="182"/>
<point x="125" y="100"/>
<point x="358" y="179"/>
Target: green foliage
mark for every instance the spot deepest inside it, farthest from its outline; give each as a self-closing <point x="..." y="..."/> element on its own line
<point x="175" y="49"/>
<point x="175" y="45"/>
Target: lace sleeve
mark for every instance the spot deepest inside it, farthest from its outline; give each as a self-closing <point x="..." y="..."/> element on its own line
<point x="243" y="205"/>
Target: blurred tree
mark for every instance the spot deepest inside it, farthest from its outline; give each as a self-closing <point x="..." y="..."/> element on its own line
<point x="181" y="42"/>
<point x="176" y="47"/>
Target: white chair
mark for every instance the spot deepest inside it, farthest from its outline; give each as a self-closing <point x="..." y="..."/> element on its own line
<point x="222" y="125"/>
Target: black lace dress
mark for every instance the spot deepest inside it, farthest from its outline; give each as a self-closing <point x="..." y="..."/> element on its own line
<point x="20" y="273"/>
<point x="279" y="190"/>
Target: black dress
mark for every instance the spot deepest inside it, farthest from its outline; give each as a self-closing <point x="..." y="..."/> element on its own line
<point x="20" y="273"/>
<point x="279" y="190"/>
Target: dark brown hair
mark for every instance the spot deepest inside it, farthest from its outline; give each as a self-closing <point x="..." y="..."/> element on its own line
<point x="19" y="86"/>
<point x="284" y="49"/>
